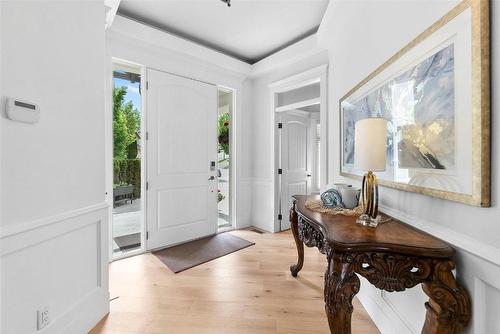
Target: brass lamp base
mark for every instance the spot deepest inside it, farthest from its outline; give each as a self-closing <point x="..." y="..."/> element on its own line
<point x="366" y="220"/>
<point x="369" y="200"/>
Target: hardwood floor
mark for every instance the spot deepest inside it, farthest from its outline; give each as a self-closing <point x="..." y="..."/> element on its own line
<point x="250" y="291"/>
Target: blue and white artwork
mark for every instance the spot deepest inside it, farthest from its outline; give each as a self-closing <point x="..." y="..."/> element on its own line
<point x="420" y="107"/>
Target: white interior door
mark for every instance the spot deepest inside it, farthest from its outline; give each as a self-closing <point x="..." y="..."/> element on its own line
<point x="295" y="160"/>
<point x="181" y="159"/>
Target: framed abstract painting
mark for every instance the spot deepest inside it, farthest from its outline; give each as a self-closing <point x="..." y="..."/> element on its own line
<point x="435" y="95"/>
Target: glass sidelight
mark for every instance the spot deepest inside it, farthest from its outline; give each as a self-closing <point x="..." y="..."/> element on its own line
<point x="224" y="127"/>
<point x="127" y="155"/>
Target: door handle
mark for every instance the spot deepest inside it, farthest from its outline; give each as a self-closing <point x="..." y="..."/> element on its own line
<point x="308" y="175"/>
<point x="211" y="178"/>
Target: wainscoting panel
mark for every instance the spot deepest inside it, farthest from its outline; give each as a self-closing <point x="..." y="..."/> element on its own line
<point x="404" y="312"/>
<point x="263" y="204"/>
<point x="243" y="203"/>
<point x="60" y="263"/>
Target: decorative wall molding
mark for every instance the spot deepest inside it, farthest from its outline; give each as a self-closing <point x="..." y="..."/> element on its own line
<point x="10" y="231"/>
<point x="155" y="36"/>
<point x="93" y="306"/>
<point x="86" y="230"/>
<point x="479" y="265"/>
<point x="305" y="48"/>
<point x="387" y="320"/>
<point x="464" y="242"/>
<point x="110" y="6"/>
<point x="392" y="308"/>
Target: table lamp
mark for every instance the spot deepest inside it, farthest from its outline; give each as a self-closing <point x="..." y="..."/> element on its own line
<point x="370" y="155"/>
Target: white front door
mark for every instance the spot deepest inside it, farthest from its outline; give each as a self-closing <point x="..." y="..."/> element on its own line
<point x="295" y="160"/>
<point x="181" y="159"/>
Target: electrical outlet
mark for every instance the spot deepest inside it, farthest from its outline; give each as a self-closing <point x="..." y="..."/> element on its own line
<point x="43" y="318"/>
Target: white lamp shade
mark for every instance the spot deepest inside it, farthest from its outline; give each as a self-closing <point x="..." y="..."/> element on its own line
<point x="370" y="144"/>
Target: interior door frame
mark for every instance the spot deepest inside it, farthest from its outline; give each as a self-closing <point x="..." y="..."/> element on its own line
<point x="314" y="75"/>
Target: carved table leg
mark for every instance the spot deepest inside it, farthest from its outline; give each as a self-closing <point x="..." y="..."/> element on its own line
<point x="300" y="246"/>
<point x="448" y="308"/>
<point x="341" y="284"/>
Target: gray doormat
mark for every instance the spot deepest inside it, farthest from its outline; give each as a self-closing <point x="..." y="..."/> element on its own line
<point x="128" y="241"/>
<point x="194" y="253"/>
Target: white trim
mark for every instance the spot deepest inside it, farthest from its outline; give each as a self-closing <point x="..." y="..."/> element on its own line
<point x="299" y="80"/>
<point x="93" y="306"/>
<point x="305" y="48"/>
<point x="481" y="284"/>
<point x="478" y="301"/>
<point x="386" y="320"/>
<point x="233" y="159"/>
<point x="152" y="35"/>
<point x="464" y="242"/>
<point x="314" y="75"/>
<point x="53" y="227"/>
<point x="138" y="69"/>
<point x="84" y="313"/>
<point x="301" y="113"/>
<point x="298" y="105"/>
<point x="111" y="7"/>
<point x="11" y="231"/>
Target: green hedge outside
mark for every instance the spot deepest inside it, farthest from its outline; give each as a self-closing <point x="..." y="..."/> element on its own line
<point x="128" y="171"/>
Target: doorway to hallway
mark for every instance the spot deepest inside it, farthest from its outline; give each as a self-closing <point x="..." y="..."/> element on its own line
<point x="299" y="108"/>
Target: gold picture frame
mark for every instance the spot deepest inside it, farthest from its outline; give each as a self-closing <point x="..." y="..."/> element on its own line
<point x="480" y="101"/>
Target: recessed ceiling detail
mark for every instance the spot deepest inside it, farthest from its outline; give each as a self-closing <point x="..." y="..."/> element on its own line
<point x="249" y="30"/>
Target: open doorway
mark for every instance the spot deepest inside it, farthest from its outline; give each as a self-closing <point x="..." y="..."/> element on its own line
<point x="128" y="204"/>
<point x="299" y="155"/>
<point x="300" y="117"/>
<point x="224" y="135"/>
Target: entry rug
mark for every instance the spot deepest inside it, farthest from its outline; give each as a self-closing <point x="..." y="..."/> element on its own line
<point x="194" y="253"/>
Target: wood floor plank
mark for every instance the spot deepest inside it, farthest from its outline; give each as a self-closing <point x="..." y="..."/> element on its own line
<point x="247" y="292"/>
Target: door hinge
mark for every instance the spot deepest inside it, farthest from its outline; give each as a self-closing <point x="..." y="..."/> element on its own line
<point x="280" y="171"/>
<point x="147" y="85"/>
<point x="280" y="125"/>
<point x="147" y="185"/>
<point x="147" y="135"/>
<point x="280" y="217"/>
<point x="147" y="235"/>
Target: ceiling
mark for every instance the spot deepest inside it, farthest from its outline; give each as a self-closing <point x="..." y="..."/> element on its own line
<point x="249" y="30"/>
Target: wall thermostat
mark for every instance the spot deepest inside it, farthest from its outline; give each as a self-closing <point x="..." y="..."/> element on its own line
<point x="22" y="111"/>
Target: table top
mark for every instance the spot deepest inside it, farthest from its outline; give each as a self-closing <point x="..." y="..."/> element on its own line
<point x="393" y="236"/>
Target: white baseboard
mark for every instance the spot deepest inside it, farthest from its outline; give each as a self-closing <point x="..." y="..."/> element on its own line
<point x="384" y="317"/>
<point x="83" y="315"/>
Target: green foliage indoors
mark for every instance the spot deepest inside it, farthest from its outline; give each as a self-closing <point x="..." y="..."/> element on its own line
<point x="126" y="123"/>
<point x="223" y="132"/>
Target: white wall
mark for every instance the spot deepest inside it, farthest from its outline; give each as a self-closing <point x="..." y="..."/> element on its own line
<point x="134" y="42"/>
<point x="262" y="142"/>
<point x="53" y="211"/>
<point x="355" y="50"/>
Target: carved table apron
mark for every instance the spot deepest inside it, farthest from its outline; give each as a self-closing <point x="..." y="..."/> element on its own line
<point x="392" y="257"/>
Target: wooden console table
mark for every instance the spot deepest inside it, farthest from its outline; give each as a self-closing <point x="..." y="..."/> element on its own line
<point x="393" y="257"/>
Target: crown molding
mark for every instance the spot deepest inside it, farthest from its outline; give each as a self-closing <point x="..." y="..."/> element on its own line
<point x="303" y="49"/>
